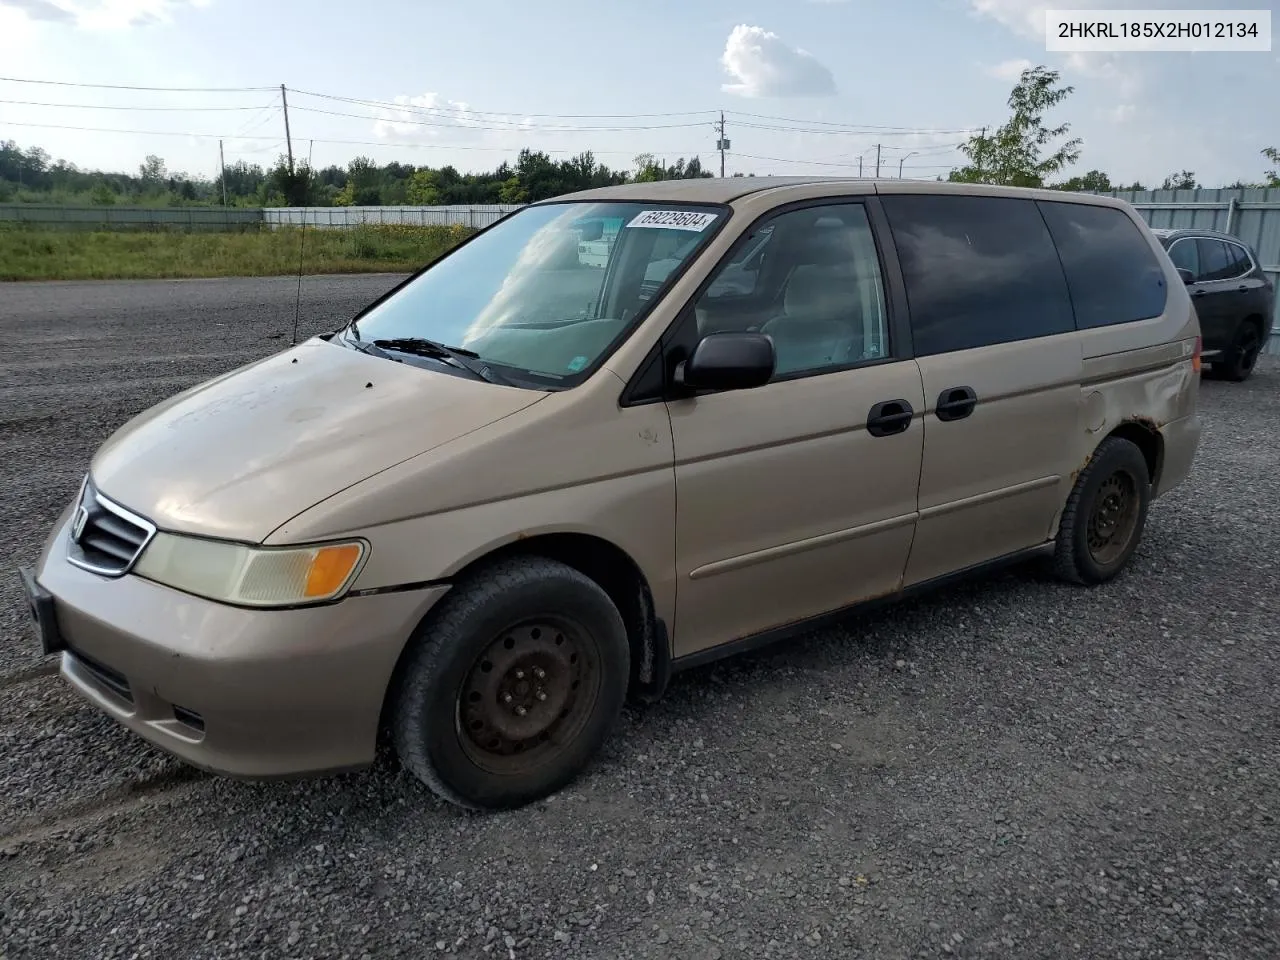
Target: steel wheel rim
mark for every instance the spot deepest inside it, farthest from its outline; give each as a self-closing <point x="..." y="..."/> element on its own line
<point x="1249" y="349"/>
<point x="528" y="695"/>
<point x="1114" y="517"/>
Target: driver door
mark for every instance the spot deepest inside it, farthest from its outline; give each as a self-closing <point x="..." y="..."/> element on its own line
<point x="793" y="499"/>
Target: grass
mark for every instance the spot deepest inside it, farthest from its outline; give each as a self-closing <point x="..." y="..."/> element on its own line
<point x="39" y="254"/>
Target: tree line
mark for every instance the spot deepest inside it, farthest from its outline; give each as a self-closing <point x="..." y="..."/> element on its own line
<point x="30" y="175"/>
<point x="1025" y="151"/>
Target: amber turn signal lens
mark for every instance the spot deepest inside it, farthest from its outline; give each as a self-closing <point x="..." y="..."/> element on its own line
<point x="1195" y="355"/>
<point x="330" y="569"/>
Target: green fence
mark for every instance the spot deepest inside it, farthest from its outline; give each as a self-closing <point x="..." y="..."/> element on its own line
<point x="186" y="219"/>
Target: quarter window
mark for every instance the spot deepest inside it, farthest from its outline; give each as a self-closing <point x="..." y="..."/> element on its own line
<point x="1241" y="262"/>
<point x="978" y="271"/>
<point x="1112" y="272"/>
<point x="810" y="278"/>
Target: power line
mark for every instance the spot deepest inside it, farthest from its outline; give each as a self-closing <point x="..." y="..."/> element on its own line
<point x="445" y="111"/>
<point x="850" y="133"/>
<point x="436" y="146"/>
<point x="122" y="86"/>
<point x="102" y="106"/>
<point x="831" y="123"/>
<point x="148" y="133"/>
<point x="515" y="126"/>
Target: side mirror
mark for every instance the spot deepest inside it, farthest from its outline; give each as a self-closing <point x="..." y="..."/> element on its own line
<point x="728" y="361"/>
<point x="1187" y="276"/>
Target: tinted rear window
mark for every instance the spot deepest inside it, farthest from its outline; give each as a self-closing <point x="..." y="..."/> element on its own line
<point x="1111" y="269"/>
<point x="1215" y="263"/>
<point x="978" y="271"/>
<point x="1240" y="261"/>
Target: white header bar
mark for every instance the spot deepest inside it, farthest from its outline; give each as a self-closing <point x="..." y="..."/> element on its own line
<point x="1163" y="31"/>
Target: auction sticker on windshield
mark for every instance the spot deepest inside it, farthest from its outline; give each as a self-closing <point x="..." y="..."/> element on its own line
<point x="674" y="220"/>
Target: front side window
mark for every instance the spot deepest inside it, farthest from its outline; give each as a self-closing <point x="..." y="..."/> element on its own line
<point x="1113" y="274"/>
<point x="978" y="270"/>
<point x="810" y="278"/>
<point x="547" y="293"/>
<point x="1186" y="255"/>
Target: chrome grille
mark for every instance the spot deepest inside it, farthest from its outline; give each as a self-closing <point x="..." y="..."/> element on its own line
<point x="105" y="537"/>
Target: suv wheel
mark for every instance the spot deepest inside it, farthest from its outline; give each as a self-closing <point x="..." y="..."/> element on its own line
<point x="1105" y="514"/>
<point x="1241" y="357"/>
<point x="511" y="685"/>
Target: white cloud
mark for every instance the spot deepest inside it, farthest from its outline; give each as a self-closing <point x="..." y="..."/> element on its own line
<point x="428" y="116"/>
<point x="101" y="14"/>
<point x="763" y="65"/>
<point x="1121" y="112"/>
<point x="1009" y="70"/>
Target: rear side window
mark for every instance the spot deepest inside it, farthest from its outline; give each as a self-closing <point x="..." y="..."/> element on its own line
<point x="978" y="271"/>
<point x="1215" y="262"/>
<point x="1241" y="263"/>
<point x="1113" y="274"/>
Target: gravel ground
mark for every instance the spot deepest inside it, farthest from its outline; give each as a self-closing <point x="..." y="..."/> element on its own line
<point x="1009" y="768"/>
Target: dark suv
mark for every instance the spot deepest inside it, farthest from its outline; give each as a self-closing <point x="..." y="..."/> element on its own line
<point x="1233" y="297"/>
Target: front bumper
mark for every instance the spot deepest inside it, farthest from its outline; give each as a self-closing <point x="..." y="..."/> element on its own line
<point x="246" y="693"/>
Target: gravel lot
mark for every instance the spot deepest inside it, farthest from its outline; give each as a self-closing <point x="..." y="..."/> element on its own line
<point x="1010" y="768"/>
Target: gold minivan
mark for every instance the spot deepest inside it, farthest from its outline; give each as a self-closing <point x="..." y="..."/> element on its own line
<point x="614" y="435"/>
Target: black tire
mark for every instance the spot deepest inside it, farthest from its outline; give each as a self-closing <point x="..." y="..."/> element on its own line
<point x="1083" y="552"/>
<point x="471" y="667"/>
<point x="1239" y="360"/>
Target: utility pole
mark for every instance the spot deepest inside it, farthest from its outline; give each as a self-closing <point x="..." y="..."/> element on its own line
<point x="859" y="166"/>
<point x="721" y="143"/>
<point x="877" y="161"/>
<point x="288" y="140"/>
<point x="222" y="165"/>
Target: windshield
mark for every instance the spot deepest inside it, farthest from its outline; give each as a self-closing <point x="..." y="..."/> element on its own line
<point x="550" y="290"/>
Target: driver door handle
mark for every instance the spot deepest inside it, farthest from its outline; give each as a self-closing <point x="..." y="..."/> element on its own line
<point x="889" y="417"/>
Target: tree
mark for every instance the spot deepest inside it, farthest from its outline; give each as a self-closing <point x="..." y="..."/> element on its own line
<point x="1012" y="155"/>
<point x="103" y="195"/>
<point x="1094" y="180"/>
<point x="294" y="185"/>
<point x="1184" y="180"/>
<point x="424" y="191"/>
<point x="152" y="171"/>
<point x="1273" y="176"/>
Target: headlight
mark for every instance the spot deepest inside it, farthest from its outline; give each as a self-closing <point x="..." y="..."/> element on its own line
<point x="251" y="576"/>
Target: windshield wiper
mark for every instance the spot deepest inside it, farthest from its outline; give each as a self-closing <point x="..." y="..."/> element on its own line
<point x="457" y="356"/>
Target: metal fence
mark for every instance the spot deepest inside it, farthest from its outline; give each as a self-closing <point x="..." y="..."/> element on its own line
<point x="467" y="215"/>
<point x="1251" y="215"/>
<point x="131" y="218"/>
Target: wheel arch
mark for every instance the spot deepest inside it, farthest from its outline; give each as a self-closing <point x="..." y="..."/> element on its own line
<point x="1144" y="435"/>
<point x="615" y="572"/>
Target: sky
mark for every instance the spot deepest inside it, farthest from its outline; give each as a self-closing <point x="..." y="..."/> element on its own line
<point x="807" y="86"/>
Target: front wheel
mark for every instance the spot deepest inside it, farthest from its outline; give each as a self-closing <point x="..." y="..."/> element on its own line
<point x="1105" y="514"/>
<point x="512" y="684"/>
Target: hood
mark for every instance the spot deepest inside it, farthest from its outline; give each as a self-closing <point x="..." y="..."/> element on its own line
<point x="239" y="455"/>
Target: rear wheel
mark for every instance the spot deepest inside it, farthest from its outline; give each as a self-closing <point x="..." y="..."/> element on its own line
<point x="1239" y="360"/>
<point x="512" y="684"/>
<point x="1105" y="514"/>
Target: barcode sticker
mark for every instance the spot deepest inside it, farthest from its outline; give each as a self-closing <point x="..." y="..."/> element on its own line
<point x="674" y="220"/>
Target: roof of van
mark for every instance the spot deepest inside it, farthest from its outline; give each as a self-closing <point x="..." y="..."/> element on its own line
<point x="728" y="189"/>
